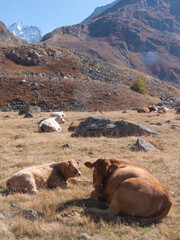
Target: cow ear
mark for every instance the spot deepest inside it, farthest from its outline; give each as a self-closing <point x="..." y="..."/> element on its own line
<point x="52" y="165"/>
<point x="89" y="164"/>
<point x="112" y="168"/>
<point x="77" y="163"/>
<point x="67" y="164"/>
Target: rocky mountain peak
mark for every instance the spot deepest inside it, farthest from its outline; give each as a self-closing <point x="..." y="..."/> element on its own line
<point x="28" y="33"/>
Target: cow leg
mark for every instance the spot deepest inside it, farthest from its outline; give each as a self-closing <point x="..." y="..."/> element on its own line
<point x="31" y="187"/>
<point x="75" y="181"/>
<point x="95" y="194"/>
<point x="108" y="212"/>
<point x="134" y="197"/>
<point x="61" y="183"/>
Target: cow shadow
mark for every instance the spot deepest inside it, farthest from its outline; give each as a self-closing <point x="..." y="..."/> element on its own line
<point x="87" y="203"/>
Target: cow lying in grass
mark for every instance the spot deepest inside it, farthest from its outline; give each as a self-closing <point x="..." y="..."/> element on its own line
<point x="161" y="110"/>
<point x="43" y="176"/>
<point x="60" y="114"/>
<point x="73" y="126"/>
<point x="129" y="190"/>
<point x="51" y="124"/>
<point x="147" y="109"/>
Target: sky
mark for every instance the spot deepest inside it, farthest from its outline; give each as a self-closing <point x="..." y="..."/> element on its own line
<point x="47" y="15"/>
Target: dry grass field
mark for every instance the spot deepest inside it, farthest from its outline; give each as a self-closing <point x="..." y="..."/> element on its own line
<point x="61" y="213"/>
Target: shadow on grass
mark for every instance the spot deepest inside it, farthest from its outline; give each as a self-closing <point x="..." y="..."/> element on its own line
<point x="102" y="204"/>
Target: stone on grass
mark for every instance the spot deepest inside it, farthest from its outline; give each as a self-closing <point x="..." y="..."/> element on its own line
<point x="126" y="111"/>
<point x="21" y="135"/>
<point x="97" y="127"/>
<point x="24" y="109"/>
<point x="27" y="213"/>
<point x="66" y="145"/>
<point x="28" y="115"/>
<point x="2" y="216"/>
<point x="142" y="145"/>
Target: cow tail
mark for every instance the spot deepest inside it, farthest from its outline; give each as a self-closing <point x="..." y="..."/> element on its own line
<point x="167" y="203"/>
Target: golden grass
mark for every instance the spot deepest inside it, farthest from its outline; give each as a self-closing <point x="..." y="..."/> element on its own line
<point x="71" y="221"/>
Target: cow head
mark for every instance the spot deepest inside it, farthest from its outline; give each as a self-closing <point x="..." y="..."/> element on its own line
<point x="152" y="108"/>
<point x="60" y="119"/>
<point x="72" y="169"/>
<point x="102" y="169"/>
<point x="68" y="169"/>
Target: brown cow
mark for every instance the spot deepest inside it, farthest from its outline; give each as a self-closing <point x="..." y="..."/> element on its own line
<point x="43" y="176"/>
<point x="129" y="189"/>
<point x="143" y="110"/>
<point x="161" y="110"/>
<point x="152" y="108"/>
<point x="73" y="126"/>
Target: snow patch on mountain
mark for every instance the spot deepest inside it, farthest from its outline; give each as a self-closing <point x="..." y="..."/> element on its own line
<point x="28" y="33"/>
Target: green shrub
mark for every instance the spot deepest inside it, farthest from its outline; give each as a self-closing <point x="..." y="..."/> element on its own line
<point x="34" y="102"/>
<point x="139" y="86"/>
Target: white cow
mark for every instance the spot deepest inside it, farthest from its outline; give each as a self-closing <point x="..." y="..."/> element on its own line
<point x="162" y="109"/>
<point x="51" y="124"/>
<point x="55" y="114"/>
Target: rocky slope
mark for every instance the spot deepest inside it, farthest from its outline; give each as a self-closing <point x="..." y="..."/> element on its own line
<point x="28" y="33"/>
<point x="141" y="34"/>
<point x="57" y="78"/>
<point x="99" y="10"/>
<point x="7" y="37"/>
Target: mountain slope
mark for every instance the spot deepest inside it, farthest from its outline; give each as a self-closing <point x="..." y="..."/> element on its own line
<point x="99" y="10"/>
<point x="57" y="78"/>
<point x="142" y="34"/>
<point x="28" y="33"/>
<point x="7" y="37"/>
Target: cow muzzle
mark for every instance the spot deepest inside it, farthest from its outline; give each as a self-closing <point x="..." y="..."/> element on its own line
<point x="98" y="186"/>
<point x="78" y="173"/>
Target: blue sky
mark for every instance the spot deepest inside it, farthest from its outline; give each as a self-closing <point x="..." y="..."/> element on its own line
<point x="47" y="14"/>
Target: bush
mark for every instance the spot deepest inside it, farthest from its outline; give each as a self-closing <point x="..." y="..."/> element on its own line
<point x="139" y="86"/>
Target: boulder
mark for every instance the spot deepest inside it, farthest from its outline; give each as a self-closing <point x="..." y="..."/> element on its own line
<point x="97" y="127"/>
<point x="28" y="115"/>
<point x="25" y="109"/>
<point x="142" y="145"/>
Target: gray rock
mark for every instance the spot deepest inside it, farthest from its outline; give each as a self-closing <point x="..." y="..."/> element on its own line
<point x="97" y="127"/>
<point x="157" y="124"/>
<point x="142" y="145"/>
<point x="168" y="121"/>
<point x="66" y="145"/>
<point x="13" y="105"/>
<point x="21" y="135"/>
<point x="2" y="216"/>
<point x="126" y="111"/>
<point x="14" y="205"/>
<point x="27" y="213"/>
<point x="25" y="109"/>
<point x="28" y="115"/>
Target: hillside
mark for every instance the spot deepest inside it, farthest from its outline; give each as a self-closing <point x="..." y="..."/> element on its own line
<point x="57" y="78"/>
<point x="7" y="37"/>
<point x="141" y="34"/>
<point x="99" y="10"/>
